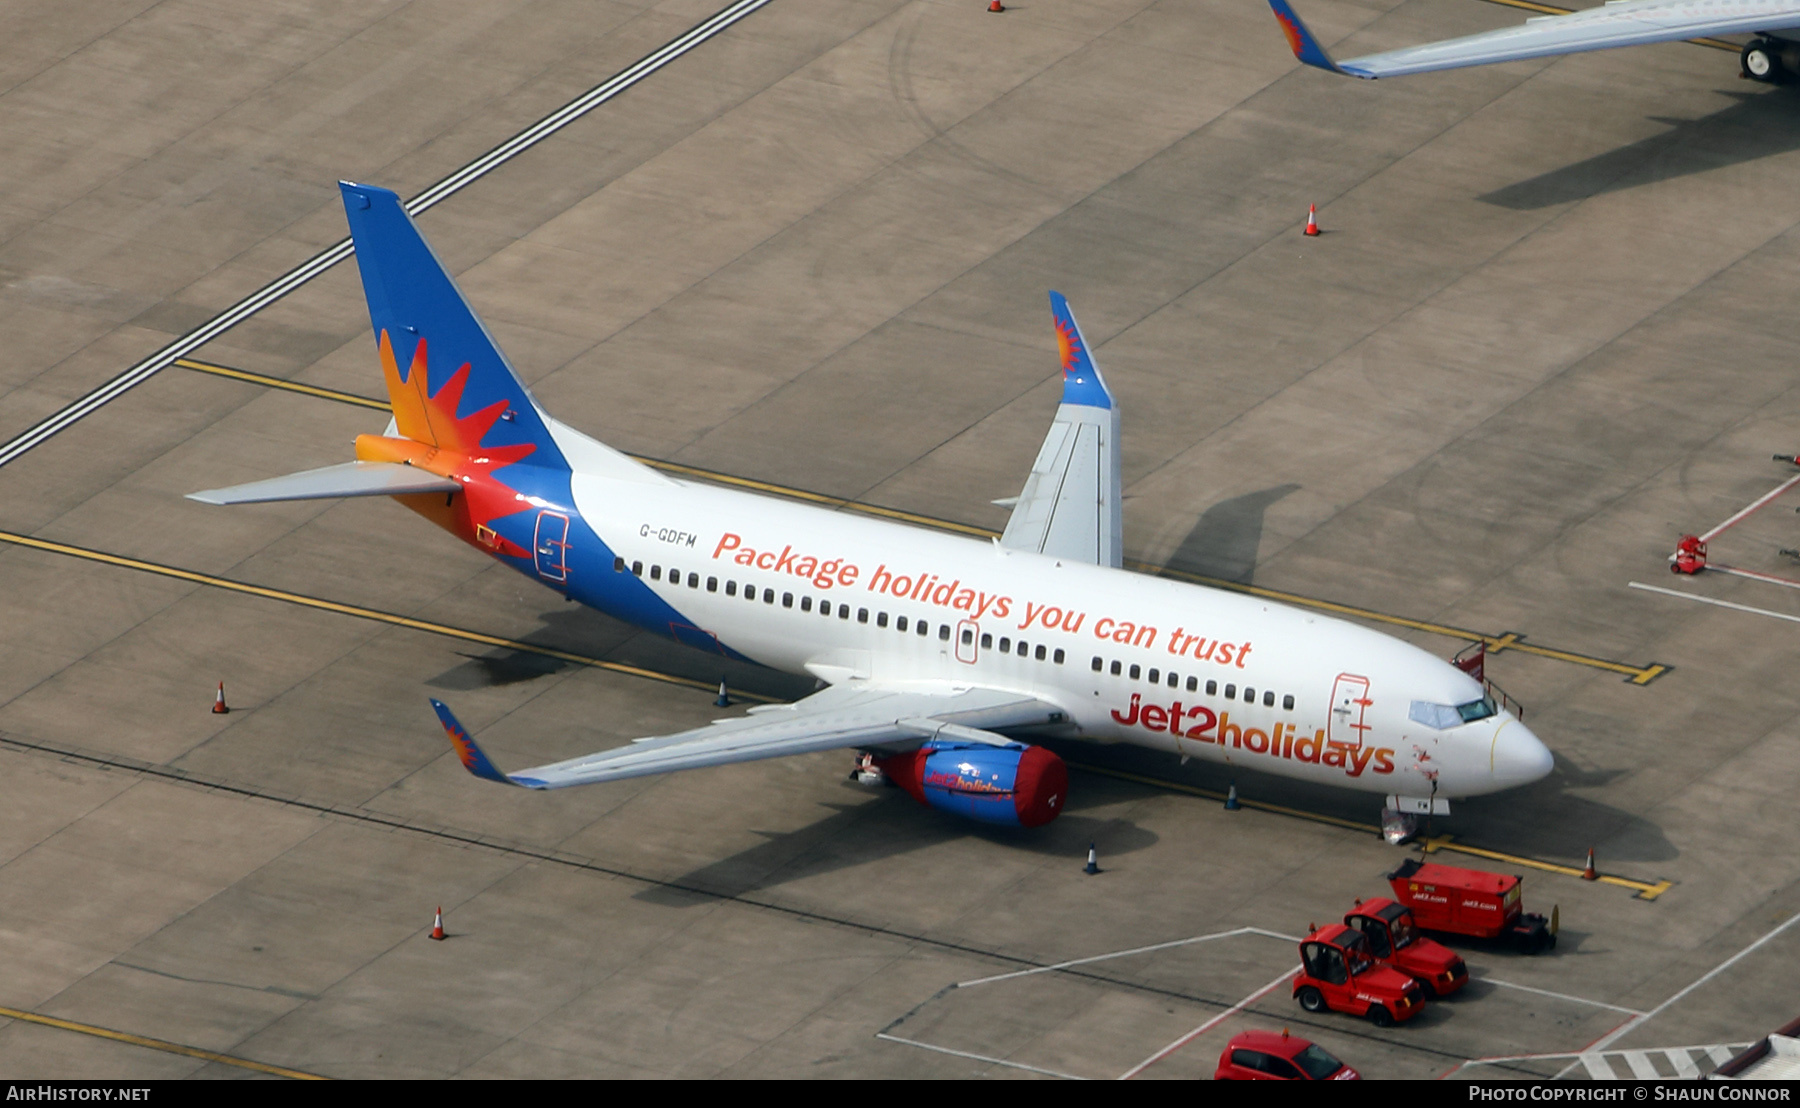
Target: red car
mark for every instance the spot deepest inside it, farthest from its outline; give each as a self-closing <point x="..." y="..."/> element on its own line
<point x="1266" y="1056"/>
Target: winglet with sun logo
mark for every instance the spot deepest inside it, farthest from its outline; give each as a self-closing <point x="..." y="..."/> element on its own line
<point x="1082" y="383"/>
<point x="471" y="755"/>
<point x="1302" y="42"/>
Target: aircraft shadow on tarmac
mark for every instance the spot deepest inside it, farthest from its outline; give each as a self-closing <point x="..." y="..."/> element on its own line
<point x="1224" y="542"/>
<point x="584" y="631"/>
<point x="894" y="824"/>
<point x="1755" y="125"/>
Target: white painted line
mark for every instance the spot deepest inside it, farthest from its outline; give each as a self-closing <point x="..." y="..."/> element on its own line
<point x="1634" y="1024"/>
<point x="1754" y="505"/>
<point x="319" y="263"/>
<point x="1598" y="1068"/>
<point x="1562" y="996"/>
<point x="1286" y="976"/>
<point x="978" y="1057"/>
<point x="1768" y="578"/>
<point x="1678" y="1058"/>
<point x="1126" y="954"/>
<point x="1641" y="1066"/>
<point x="1716" y="603"/>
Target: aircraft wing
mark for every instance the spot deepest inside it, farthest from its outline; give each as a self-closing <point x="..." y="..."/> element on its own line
<point x="1071" y="504"/>
<point x="840" y="717"/>
<point x="1618" y="23"/>
<point x="349" y="479"/>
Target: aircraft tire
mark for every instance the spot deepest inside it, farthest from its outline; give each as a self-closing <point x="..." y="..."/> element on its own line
<point x="1762" y="62"/>
<point x="1312" y="999"/>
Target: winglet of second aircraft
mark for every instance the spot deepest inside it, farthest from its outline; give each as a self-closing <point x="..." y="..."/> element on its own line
<point x="1304" y="45"/>
<point x="1082" y="383"/>
<point x="472" y="757"/>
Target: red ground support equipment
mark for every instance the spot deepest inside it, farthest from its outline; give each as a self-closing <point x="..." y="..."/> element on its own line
<point x="1690" y="555"/>
<point x="1336" y="972"/>
<point x="1266" y="1056"/>
<point x="1395" y="942"/>
<point x="1470" y="902"/>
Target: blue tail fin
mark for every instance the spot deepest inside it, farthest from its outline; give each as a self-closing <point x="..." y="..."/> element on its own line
<point x="449" y="383"/>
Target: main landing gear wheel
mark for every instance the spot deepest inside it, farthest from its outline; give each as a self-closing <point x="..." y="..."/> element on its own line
<point x="1762" y="62"/>
<point x="1312" y="999"/>
<point x="1380" y="1016"/>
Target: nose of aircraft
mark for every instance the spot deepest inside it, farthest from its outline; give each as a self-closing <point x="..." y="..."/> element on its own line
<point x="1519" y="758"/>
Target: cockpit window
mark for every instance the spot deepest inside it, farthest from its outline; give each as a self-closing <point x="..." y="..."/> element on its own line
<point x="1476" y="709"/>
<point x="1441" y="716"/>
<point x="1445" y="716"/>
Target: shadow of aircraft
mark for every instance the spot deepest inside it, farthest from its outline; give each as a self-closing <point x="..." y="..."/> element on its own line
<point x="1543" y="820"/>
<point x="1224" y="542"/>
<point x="1755" y="125"/>
<point x="892" y="823"/>
<point x="582" y="630"/>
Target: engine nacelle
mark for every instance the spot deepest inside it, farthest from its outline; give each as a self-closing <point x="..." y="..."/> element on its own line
<point x="1013" y="786"/>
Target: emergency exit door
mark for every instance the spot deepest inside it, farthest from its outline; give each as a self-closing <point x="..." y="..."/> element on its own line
<point x="968" y="641"/>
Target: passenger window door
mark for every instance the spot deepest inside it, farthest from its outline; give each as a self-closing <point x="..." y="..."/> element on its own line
<point x="1374" y="932"/>
<point x="1333" y="960"/>
<point x="1280" y="1067"/>
<point x="1313" y="958"/>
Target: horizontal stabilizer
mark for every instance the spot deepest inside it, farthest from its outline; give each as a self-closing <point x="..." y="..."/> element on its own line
<point x="349" y="479"/>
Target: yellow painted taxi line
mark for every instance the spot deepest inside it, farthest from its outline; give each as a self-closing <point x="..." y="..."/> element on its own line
<point x="277" y="383"/>
<point x="157" y="1044"/>
<point x="1549" y="9"/>
<point x="360" y="612"/>
<point x="1646" y="890"/>
<point x="1637" y="675"/>
<point x="667" y="467"/>
<point x="1511" y="640"/>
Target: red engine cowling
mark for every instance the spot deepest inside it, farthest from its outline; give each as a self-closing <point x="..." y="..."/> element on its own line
<point x="1012" y="786"/>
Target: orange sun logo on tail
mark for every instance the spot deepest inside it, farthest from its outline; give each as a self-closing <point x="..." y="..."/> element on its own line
<point x="1068" y="345"/>
<point x="430" y="419"/>
<point x="1292" y="32"/>
<point x="436" y="439"/>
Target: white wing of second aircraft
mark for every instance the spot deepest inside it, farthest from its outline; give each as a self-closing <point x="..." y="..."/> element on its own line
<point x="1070" y="507"/>
<point x="1617" y="23"/>
<point x="836" y="718"/>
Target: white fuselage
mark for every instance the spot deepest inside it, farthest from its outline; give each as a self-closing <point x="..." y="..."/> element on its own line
<point x="1195" y="671"/>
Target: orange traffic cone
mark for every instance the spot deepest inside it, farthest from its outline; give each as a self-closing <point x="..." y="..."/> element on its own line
<point x="437" y="925"/>
<point x="1312" y="219"/>
<point x="1590" y="873"/>
<point x="219" y="707"/>
<point x="996" y="6"/>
